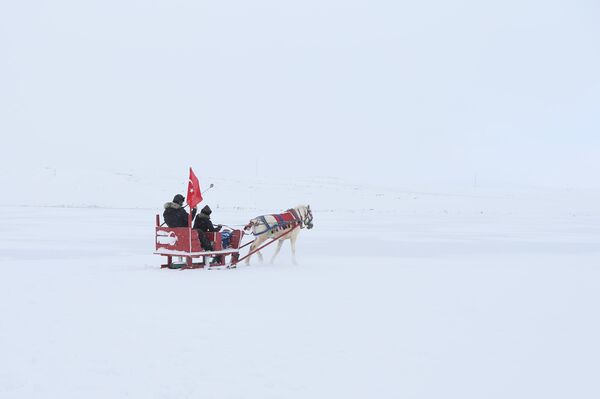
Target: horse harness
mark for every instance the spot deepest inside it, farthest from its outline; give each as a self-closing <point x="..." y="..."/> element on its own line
<point x="289" y="219"/>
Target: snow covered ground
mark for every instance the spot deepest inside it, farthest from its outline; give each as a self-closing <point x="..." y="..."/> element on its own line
<point x="399" y="294"/>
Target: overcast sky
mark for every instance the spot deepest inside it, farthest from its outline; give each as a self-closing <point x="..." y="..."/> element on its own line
<point x="396" y="91"/>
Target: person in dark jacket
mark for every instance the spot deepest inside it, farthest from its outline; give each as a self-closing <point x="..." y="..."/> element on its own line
<point x="203" y="224"/>
<point x="175" y="215"/>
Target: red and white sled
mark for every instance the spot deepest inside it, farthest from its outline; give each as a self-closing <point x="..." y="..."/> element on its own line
<point x="183" y="242"/>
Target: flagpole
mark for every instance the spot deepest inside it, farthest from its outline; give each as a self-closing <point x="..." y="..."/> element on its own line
<point x="190" y="184"/>
<point x="211" y="186"/>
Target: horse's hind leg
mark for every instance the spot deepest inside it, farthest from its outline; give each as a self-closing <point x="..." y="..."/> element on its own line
<point x="279" y="245"/>
<point x="256" y="244"/>
<point x="293" y="244"/>
<point x="252" y="247"/>
<point x="260" y="257"/>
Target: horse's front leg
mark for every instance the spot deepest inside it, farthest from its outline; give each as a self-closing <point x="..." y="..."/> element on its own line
<point x="293" y="244"/>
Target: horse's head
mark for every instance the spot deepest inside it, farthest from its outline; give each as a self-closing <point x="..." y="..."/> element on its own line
<point x="309" y="218"/>
<point x="306" y="216"/>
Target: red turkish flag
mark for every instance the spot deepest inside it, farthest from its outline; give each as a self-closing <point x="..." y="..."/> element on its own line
<point x="194" y="196"/>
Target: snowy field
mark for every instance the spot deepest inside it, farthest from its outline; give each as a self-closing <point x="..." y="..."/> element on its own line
<point x="449" y="151"/>
<point x="429" y="296"/>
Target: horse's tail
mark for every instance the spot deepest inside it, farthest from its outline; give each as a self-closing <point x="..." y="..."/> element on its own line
<point x="249" y="226"/>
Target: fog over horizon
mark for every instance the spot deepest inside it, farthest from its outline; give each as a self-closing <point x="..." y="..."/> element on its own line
<point x="389" y="92"/>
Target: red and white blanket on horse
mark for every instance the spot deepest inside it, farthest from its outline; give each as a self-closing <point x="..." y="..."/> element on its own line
<point x="274" y="222"/>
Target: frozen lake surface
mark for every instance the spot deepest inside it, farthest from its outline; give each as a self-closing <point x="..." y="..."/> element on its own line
<point x="383" y="304"/>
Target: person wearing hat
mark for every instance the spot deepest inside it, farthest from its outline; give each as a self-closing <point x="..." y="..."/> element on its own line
<point x="175" y="215"/>
<point x="203" y="224"/>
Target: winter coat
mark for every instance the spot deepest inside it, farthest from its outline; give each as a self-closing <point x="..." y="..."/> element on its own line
<point x="176" y="216"/>
<point x="203" y="222"/>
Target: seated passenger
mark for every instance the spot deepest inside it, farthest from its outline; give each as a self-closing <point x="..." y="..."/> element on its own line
<point x="175" y="215"/>
<point x="203" y="224"/>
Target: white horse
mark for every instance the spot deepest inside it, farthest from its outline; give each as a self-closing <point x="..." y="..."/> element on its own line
<point x="273" y="226"/>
